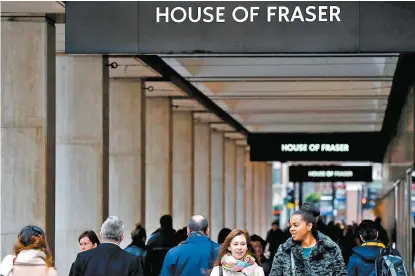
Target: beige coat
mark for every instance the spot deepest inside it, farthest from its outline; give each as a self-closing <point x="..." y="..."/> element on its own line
<point x="258" y="272"/>
<point x="28" y="262"/>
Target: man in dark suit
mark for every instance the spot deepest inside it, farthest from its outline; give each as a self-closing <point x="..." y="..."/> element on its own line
<point x="108" y="259"/>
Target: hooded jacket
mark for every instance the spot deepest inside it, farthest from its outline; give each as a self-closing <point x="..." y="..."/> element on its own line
<point x="362" y="261"/>
<point x="28" y="262"/>
<point x="325" y="259"/>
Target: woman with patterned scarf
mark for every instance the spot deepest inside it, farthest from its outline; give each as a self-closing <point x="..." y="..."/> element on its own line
<point x="237" y="257"/>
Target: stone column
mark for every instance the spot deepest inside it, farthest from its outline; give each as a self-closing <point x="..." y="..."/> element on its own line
<point x="202" y="183"/>
<point x="267" y="197"/>
<point x="249" y="193"/>
<point x="270" y="196"/>
<point x="182" y="168"/>
<point x="230" y="183"/>
<point x="126" y="153"/>
<point x="284" y="218"/>
<point x="82" y="96"/>
<point x="256" y="190"/>
<point x="262" y="190"/>
<point x="158" y="186"/>
<point x="27" y="129"/>
<point x="217" y="184"/>
<point x="240" y="188"/>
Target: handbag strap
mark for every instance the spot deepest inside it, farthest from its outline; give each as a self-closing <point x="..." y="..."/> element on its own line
<point x="292" y="263"/>
<point x="220" y="271"/>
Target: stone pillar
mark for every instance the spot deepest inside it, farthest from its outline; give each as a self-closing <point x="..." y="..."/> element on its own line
<point x="285" y="214"/>
<point x="158" y="186"/>
<point x="249" y="195"/>
<point x="202" y="183"/>
<point x="82" y="96"/>
<point x="256" y="191"/>
<point x="267" y="197"/>
<point x="230" y="184"/>
<point x="27" y="129"/>
<point x="126" y="153"/>
<point x="217" y="184"/>
<point x="262" y="192"/>
<point x="270" y="196"/>
<point x="182" y="168"/>
<point x="240" y="188"/>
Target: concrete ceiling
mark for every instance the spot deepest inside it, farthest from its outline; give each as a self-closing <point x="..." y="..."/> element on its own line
<point x="265" y="94"/>
<point x="32" y="7"/>
<point x="295" y="94"/>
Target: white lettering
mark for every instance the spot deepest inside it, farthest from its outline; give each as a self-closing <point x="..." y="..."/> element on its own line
<point x="322" y="13"/>
<point x="283" y="12"/>
<point x="343" y="173"/>
<point x="245" y="16"/>
<point x="192" y="14"/>
<point x="335" y="147"/>
<point x="334" y="12"/>
<point x="253" y="13"/>
<point x="314" y="147"/>
<point x="220" y="14"/>
<point x="173" y="16"/>
<point x="270" y="13"/>
<point x="322" y="173"/>
<point x="199" y="15"/>
<point x="165" y="14"/>
<point x="294" y="147"/>
<point x="312" y="14"/>
<point x="241" y="14"/>
<point x="297" y="14"/>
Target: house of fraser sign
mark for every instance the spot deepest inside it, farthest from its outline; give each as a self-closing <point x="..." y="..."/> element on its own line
<point x="315" y="147"/>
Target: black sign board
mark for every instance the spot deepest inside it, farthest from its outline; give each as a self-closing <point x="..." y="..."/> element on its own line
<point x="229" y="27"/>
<point x="317" y="146"/>
<point x="330" y="173"/>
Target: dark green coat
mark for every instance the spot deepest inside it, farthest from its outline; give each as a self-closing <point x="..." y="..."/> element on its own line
<point x="325" y="259"/>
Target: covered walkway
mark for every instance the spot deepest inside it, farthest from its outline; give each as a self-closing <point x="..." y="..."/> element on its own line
<point x="92" y="134"/>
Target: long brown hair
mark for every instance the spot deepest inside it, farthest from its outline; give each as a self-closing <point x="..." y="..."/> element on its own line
<point x="227" y="243"/>
<point x="33" y="237"/>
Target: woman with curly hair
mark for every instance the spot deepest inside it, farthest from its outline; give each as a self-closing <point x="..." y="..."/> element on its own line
<point x="308" y="252"/>
<point x="31" y="255"/>
<point x="237" y="257"/>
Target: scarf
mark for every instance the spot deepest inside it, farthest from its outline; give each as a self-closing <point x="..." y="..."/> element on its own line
<point x="196" y="234"/>
<point x="246" y="264"/>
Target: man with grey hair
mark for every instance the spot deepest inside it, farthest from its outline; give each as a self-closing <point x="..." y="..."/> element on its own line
<point x="108" y="258"/>
<point x="196" y="255"/>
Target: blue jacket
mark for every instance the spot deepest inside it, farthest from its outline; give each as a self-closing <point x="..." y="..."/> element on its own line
<point x="135" y="250"/>
<point x="191" y="258"/>
<point x="362" y="261"/>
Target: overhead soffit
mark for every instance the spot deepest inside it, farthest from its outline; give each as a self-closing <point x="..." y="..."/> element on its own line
<point x="32" y="7"/>
<point x="267" y="94"/>
<point x="162" y="89"/>
<point x="296" y="94"/>
<point x="206" y="117"/>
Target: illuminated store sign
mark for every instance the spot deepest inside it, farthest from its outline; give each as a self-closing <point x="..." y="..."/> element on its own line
<point x="315" y="147"/>
<point x="330" y="173"/>
<point x="350" y="147"/>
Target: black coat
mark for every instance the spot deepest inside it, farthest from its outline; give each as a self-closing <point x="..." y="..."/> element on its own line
<point x="107" y="260"/>
<point x="325" y="259"/>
